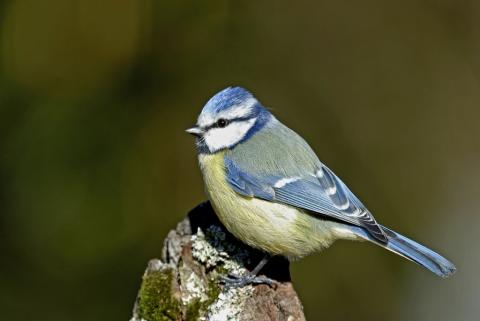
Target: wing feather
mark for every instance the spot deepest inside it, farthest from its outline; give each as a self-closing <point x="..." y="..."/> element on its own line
<point x="320" y="192"/>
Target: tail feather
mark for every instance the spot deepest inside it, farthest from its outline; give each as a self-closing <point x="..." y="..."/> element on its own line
<point x="413" y="251"/>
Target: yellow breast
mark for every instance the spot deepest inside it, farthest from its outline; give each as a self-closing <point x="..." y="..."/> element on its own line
<point x="272" y="227"/>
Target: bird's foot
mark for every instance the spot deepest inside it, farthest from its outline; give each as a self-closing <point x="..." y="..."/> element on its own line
<point x="235" y="281"/>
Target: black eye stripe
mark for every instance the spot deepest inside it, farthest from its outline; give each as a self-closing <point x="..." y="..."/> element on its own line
<point x="229" y="121"/>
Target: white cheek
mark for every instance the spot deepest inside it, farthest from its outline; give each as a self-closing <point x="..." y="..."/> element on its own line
<point x="219" y="138"/>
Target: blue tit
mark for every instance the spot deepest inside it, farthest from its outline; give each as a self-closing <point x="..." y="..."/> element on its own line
<point x="270" y="190"/>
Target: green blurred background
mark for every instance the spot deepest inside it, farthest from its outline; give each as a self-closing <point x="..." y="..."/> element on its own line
<point x="95" y="167"/>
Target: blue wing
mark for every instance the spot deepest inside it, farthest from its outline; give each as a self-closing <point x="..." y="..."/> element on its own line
<point x="320" y="191"/>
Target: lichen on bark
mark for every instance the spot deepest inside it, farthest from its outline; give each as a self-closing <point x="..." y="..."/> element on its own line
<point x="185" y="283"/>
<point x="157" y="301"/>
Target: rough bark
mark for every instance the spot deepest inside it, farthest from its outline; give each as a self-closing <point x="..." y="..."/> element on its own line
<point x="185" y="283"/>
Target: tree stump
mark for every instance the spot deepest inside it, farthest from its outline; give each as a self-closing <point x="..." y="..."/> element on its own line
<point x="185" y="283"/>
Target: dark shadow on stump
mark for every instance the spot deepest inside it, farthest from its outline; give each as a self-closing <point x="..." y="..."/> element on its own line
<point x="203" y="216"/>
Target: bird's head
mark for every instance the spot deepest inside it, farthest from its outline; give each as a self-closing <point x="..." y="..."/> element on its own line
<point x="229" y="118"/>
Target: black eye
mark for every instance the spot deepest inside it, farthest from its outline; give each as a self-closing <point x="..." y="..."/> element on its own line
<point x="222" y="122"/>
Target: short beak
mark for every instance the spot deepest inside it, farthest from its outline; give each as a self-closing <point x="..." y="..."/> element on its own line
<point x="195" y="131"/>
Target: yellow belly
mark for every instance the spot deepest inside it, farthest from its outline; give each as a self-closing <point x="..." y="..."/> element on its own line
<point x="272" y="227"/>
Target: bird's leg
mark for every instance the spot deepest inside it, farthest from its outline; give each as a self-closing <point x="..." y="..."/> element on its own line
<point x="251" y="277"/>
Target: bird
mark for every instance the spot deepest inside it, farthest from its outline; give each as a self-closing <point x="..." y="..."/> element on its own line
<point x="270" y="190"/>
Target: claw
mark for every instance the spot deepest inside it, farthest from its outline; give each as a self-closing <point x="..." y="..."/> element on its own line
<point x="236" y="281"/>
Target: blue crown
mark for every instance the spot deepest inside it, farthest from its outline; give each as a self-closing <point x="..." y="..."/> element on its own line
<point x="225" y="99"/>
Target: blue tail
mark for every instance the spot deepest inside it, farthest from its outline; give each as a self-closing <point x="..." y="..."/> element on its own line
<point x="413" y="251"/>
